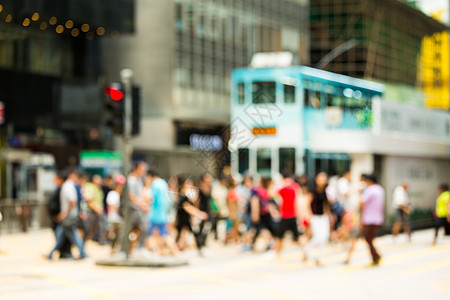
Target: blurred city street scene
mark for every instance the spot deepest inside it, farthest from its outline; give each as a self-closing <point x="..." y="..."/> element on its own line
<point x="282" y="149"/>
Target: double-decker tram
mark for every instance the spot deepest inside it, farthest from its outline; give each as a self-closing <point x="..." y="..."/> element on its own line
<point x="276" y="113"/>
<point x="301" y="120"/>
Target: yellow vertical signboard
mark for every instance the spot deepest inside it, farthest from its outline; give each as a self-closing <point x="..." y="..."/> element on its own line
<point x="434" y="73"/>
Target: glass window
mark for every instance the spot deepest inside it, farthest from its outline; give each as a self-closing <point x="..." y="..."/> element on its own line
<point x="264" y="161"/>
<point x="241" y="93"/>
<point x="263" y="92"/>
<point x="289" y="93"/>
<point x="178" y="16"/>
<point x="243" y="160"/>
<point x="287" y="160"/>
<point x="315" y="100"/>
<point x="306" y="98"/>
<point x="337" y="101"/>
<point x="329" y="100"/>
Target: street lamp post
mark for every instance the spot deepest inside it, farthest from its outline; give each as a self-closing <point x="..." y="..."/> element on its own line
<point x="126" y="76"/>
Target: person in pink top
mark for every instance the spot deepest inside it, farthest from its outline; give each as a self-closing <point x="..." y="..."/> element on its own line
<point x="372" y="213"/>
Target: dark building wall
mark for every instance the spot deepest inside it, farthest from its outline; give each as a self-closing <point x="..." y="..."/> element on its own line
<point x="29" y="99"/>
<point x="111" y="14"/>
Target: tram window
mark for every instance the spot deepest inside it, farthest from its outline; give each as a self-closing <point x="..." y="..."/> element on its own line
<point x="337" y="101"/>
<point x="365" y="104"/>
<point x="289" y="93"/>
<point x="243" y="160"/>
<point x="349" y="103"/>
<point x="287" y="160"/>
<point x="241" y="93"/>
<point x="315" y="100"/>
<point x="306" y="95"/>
<point x="264" y="161"/>
<point x="329" y="100"/>
<point x="263" y="92"/>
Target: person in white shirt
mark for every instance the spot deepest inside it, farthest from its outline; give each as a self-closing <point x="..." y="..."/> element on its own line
<point x="343" y="191"/>
<point x="68" y="216"/>
<point x="136" y="213"/>
<point x="113" y="202"/>
<point x="402" y="206"/>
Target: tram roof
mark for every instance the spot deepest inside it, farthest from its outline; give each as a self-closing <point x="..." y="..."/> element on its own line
<point x="310" y="72"/>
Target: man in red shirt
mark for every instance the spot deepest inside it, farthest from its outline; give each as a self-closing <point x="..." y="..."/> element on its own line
<point x="288" y="211"/>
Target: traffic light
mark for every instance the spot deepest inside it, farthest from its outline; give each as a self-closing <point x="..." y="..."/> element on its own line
<point x="115" y="106"/>
<point x="114" y="103"/>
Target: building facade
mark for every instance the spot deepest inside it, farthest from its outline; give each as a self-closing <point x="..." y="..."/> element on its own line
<point x="51" y="83"/>
<point x="50" y="69"/>
<point x="182" y="54"/>
<point x="378" y="39"/>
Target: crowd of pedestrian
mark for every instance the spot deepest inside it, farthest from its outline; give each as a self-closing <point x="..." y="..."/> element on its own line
<point x="143" y="215"/>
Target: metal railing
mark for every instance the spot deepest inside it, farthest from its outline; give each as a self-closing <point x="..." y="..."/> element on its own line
<point x="22" y="215"/>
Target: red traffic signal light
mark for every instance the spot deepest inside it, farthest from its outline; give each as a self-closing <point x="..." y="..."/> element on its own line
<point x="114" y="92"/>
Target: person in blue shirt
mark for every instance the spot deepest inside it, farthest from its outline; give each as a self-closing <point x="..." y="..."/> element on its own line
<point x="157" y="191"/>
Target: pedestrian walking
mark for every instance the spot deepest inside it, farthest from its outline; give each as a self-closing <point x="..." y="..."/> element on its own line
<point x="136" y="213"/>
<point x="113" y="200"/>
<point x="187" y="213"/>
<point x="262" y="204"/>
<point x="288" y="211"/>
<point x="82" y="222"/>
<point x="159" y="212"/>
<point x="233" y="217"/>
<point x="68" y="216"/>
<point x="93" y="195"/>
<point x="320" y="217"/>
<point x="244" y="194"/>
<point x="372" y="213"/>
<point x="219" y="192"/>
<point x="54" y="208"/>
<point x="402" y="206"/>
<point x="203" y="203"/>
<point x="442" y="210"/>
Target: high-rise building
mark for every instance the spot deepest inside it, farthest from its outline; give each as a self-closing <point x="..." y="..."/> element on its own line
<point x="50" y="69"/>
<point x="379" y="40"/>
<point x="182" y="54"/>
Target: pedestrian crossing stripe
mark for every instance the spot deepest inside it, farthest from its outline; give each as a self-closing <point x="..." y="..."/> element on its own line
<point x="72" y="284"/>
<point x="405" y="256"/>
<point x="442" y="286"/>
<point x="338" y="257"/>
<point x="245" y="286"/>
<point x="427" y="267"/>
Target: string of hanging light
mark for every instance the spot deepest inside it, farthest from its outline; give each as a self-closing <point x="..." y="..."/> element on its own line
<point x="56" y="25"/>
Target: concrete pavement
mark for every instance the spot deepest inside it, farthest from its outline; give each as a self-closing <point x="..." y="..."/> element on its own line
<point x="408" y="271"/>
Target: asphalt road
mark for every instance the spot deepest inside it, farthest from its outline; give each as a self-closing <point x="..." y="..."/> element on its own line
<point x="409" y="270"/>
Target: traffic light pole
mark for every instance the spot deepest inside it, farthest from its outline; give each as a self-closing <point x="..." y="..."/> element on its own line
<point x="126" y="76"/>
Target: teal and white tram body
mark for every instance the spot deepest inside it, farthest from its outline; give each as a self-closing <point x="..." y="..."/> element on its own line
<point x="276" y="113"/>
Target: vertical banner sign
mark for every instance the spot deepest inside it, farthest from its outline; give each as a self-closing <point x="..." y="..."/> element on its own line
<point x="2" y="113"/>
